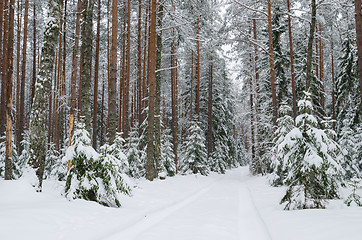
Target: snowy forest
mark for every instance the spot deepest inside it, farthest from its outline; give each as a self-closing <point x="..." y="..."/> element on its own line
<point x="100" y="97"/>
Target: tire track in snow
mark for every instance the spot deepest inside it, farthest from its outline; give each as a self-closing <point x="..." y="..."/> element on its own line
<point x="250" y="222"/>
<point x="151" y="218"/>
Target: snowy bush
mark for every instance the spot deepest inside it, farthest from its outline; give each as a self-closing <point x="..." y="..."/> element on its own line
<point x="313" y="161"/>
<point x="92" y="176"/>
<point x="194" y="152"/>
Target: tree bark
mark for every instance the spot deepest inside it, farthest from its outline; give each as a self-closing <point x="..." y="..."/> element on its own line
<point x="333" y="85"/>
<point x="112" y="82"/>
<point x="197" y="95"/>
<point x="96" y="73"/>
<point x="139" y="66"/>
<point x="3" y="66"/>
<point x="192" y="84"/>
<point x="272" y="66"/>
<point x="158" y="92"/>
<point x="9" y="96"/>
<point x="292" y="71"/>
<point x="209" y="134"/>
<point x="18" y="50"/>
<point x="73" y="90"/>
<point x="127" y="79"/>
<point x="174" y="99"/>
<point x="358" y="17"/>
<point x="310" y="46"/>
<point x="86" y="62"/>
<point x="32" y="87"/>
<point x="150" y="168"/>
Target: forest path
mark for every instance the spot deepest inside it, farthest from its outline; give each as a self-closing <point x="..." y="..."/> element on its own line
<point x="224" y="210"/>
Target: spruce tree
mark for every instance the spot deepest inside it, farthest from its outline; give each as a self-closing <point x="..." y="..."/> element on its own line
<point x="194" y="152"/>
<point x="313" y="161"/>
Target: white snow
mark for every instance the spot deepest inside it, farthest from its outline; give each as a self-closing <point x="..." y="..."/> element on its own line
<point x="192" y="207"/>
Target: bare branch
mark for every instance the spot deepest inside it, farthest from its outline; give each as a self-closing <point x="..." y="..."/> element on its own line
<point x="252" y="9"/>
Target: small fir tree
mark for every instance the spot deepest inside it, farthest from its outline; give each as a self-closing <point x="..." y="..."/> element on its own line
<point x="135" y="156"/>
<point x="167" y="154"/>
<point x="285" y="125"/>
<point x="313" y="161"/>
<point x="92" y="177"/>
<point x="195" y="152"/>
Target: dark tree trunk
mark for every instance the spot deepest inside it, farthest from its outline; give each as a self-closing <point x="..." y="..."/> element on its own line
<point x="209" y="133"/>
<point x="112" y="82"/>
<point x="197" y="95"/>
<point x="96" y="73"/>
<point x="310" y="46"/>
<point x="272" y="66"/>
<point x="150" y="162"/>
<point x="9" y="96"/>
<point x="292" y="71"/>
<point x="358" y="13"/>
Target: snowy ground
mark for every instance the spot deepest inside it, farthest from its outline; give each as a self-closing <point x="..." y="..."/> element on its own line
<point x="220" y="207"/>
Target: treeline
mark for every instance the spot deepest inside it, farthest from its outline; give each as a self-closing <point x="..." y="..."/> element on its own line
<point x="302" y="93"/>
<point x="144" y="78"/>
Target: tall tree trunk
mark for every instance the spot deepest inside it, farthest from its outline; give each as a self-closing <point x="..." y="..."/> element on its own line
<point x="122" y="102"/>
<point x="18" y="50"/>
<point x="209" y="133"/>
<point x="272" y="66"/>
<point x="112" y="82"/>
<point x="32" y="87"/>
<point x="150" y="168"/>
<point x="9" y="97"/>
<point x="251" y="88"/>
<point x="22" y="81"/>
<point x="174" y="99"/>
<point x="158" y="92"/>
<point x="192" y="84"/>
<point x="96" y="73"/>
<point x="1" y="26"/>
<point x="4" y="70"/>
<point x="102" y="113"/>
<point x="39" y="116"/>
<point x="128" y="72"/>
<point x="292" y="71"/>
<point x="310" y="46"/>
<point x="62" y="109"/>
<point x="333" y="84"/>
<point x="197" y="95"/>
<point x="86" y="62"/>
<point x="145" y="77"/>
<point x="139" y="66"/>
<point x="359" y="46"/>
<point x="73" y="90"/>
<point x="257" y="88"/>
<point x="321" y="67"/>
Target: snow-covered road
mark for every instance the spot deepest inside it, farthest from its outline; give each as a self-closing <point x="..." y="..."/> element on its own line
<point x="222" y="210"/>
<point x="234" y="206"/>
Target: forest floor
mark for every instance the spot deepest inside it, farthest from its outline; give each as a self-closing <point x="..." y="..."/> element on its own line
<point x="217" y="207"/>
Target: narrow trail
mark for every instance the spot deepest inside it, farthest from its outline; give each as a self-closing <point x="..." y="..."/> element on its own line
<point x="224" y="210"/>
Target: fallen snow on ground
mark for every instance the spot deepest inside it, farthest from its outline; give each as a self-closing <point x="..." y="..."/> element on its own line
<point x="194" y="207"/>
